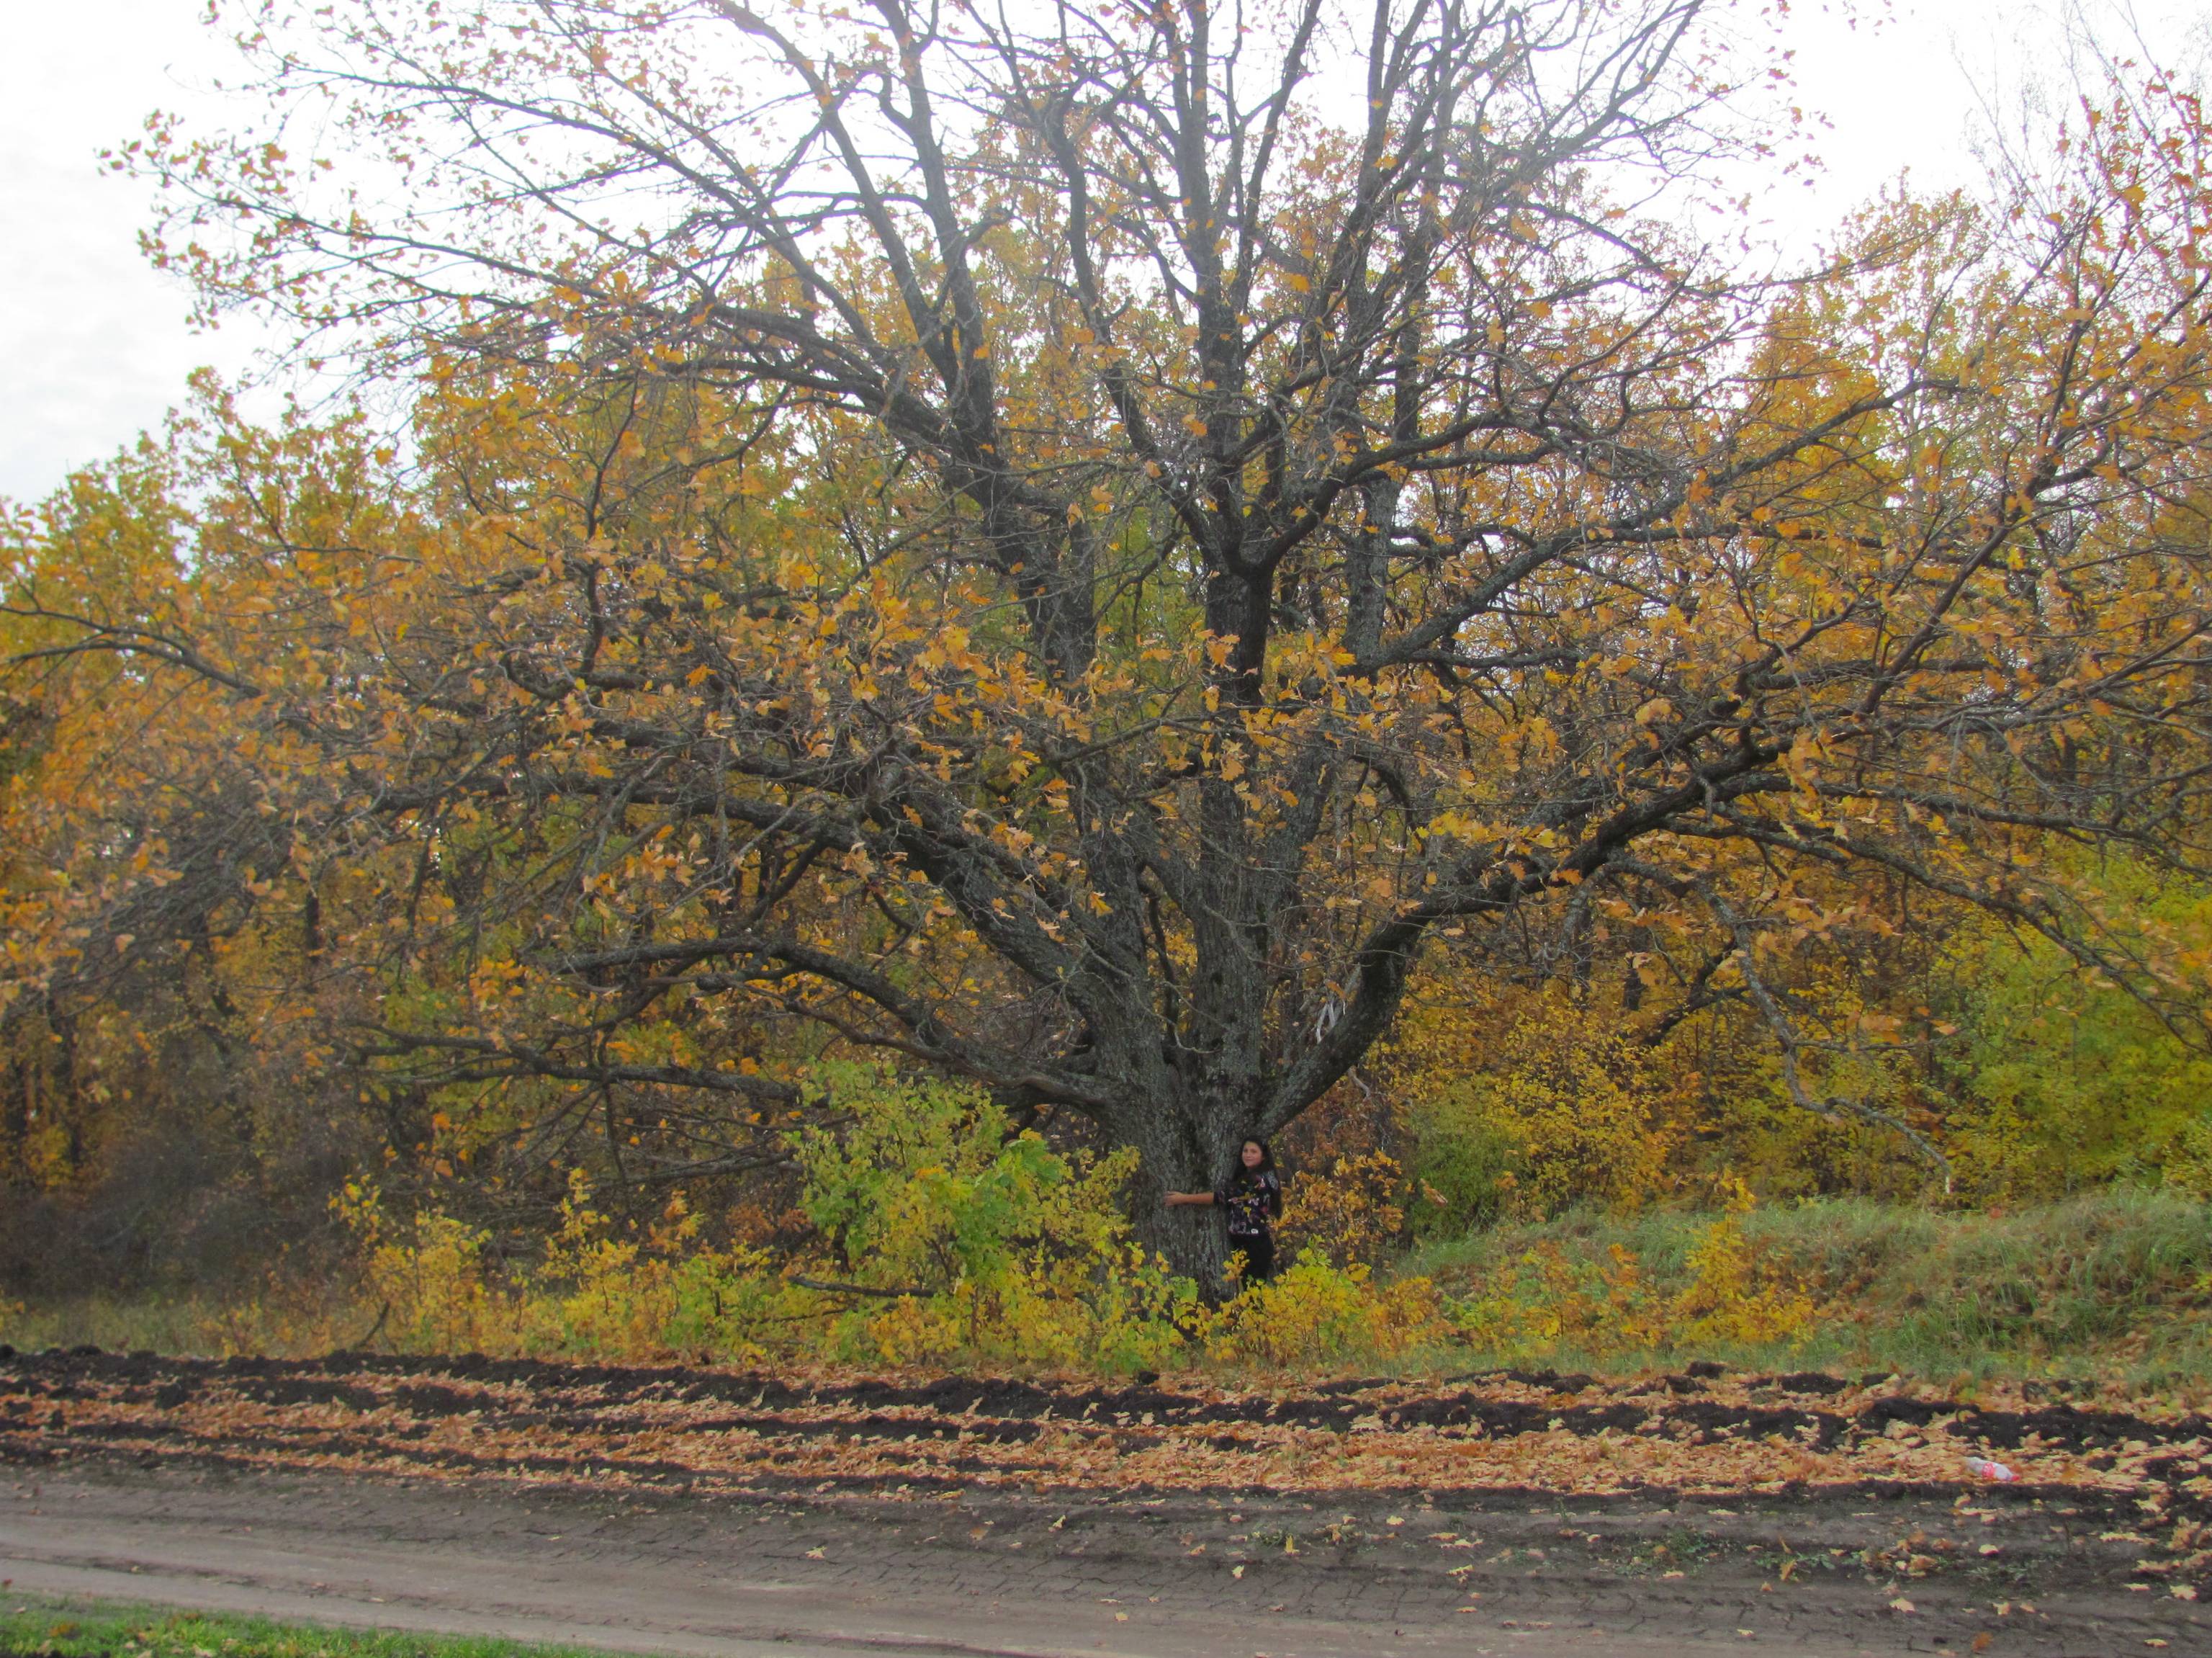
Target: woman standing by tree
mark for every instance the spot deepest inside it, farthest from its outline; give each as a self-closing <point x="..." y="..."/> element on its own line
<point x="1253" y="1197"/>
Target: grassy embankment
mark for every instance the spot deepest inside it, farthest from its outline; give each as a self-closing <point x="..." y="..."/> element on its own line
<point x="2112" y="1286"/>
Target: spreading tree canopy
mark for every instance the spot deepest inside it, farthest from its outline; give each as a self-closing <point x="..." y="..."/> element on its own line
<point x="1067" y="543"/>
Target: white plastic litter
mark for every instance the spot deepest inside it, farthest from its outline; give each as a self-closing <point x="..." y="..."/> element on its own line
<point x="1983" y="1468"/>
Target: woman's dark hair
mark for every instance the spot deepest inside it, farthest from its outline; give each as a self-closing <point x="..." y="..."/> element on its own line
<point x="1266" y="1167"/>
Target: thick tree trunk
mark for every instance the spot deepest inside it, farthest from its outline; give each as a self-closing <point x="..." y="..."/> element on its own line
<point x="1182" y="1148"/>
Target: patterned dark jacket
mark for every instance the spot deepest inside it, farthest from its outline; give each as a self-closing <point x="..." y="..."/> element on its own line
<point x="1253" y="1201"/>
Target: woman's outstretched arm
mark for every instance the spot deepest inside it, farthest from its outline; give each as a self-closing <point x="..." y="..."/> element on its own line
<point x="1177" y="1198"/>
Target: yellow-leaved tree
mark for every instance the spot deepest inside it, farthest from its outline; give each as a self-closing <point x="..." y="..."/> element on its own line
<point x="1061" y="546"/>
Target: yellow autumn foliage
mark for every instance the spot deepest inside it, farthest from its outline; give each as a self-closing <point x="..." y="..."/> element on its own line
<point x="1314" y="1313"/>
<point x="945" y="1241"/>
<point x="1734" y="1295"/>
<point x="1352" y="1212"/>
<point x="594" y="1294"/>
<point x="1525" y="1101"/>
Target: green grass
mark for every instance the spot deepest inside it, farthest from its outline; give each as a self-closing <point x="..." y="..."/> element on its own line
<point x="2109" y="1286"/>
<point x="75" y="1628"/>
<point x="188" y="1323"/>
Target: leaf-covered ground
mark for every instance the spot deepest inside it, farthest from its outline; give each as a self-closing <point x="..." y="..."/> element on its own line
<point x="1503" y="1497"/>
<point x="1711" y="1432"/>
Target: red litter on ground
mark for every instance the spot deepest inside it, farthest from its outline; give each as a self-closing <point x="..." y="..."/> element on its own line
<point x="1983" y="1468"/>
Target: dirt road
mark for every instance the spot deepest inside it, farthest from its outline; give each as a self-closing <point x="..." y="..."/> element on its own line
<point x="564" y="1504"/>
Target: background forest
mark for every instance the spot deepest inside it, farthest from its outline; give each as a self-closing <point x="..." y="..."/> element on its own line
<point x="916" y="622"/>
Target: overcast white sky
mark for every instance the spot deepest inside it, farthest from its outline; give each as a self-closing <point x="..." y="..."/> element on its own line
<point x="94" y="345"/>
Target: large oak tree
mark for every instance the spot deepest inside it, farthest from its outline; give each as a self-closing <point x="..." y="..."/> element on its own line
<point x="1068" y="543"/>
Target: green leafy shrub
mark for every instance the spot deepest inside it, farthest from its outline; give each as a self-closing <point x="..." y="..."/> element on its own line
<point x="982" y="1241"/>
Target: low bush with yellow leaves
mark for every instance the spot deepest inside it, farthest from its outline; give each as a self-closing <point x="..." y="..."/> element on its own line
<point x="593" y="1296"/>
<point x="1316" y="1312"/>
<point x="1734" y="1292"/>
<point x="941" y="1238"/>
